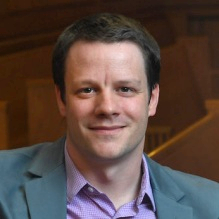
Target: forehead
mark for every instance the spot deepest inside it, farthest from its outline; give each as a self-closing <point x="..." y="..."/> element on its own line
<point x="105" y="63"/>
<point x="82" y="51"/>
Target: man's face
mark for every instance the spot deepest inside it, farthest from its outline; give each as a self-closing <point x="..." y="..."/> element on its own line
<point x="106" y="100"/>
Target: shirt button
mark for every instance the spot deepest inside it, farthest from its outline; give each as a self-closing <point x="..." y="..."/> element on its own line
<point x="90" y="189"/>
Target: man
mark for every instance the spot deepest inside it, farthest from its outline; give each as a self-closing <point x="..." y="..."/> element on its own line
<point x="106" y="73"/>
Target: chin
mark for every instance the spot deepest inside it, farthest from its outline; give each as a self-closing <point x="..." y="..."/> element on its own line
<point x="112" y="155"/>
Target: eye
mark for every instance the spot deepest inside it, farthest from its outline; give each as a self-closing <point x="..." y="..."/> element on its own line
<point x="87" y="90"/>
<point x="126" y="89"/>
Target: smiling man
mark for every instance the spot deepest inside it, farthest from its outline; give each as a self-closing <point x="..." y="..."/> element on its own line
<point x="106" y="73"/>
<point x="106" y="108"/>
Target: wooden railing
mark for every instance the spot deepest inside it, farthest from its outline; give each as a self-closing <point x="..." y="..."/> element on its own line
<point x="156" y="136"/>
<point x="196" y="149"/>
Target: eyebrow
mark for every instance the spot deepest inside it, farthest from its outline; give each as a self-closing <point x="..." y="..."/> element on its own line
<point x="123" y="82"/>
<point x="129" y="82"/>
<point x="86" y="81"/>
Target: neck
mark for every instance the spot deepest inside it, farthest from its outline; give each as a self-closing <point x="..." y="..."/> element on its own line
<point x="119" y="180"/>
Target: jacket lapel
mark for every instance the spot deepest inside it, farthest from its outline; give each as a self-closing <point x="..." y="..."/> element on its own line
<point x="46" y="192"/>
<point x="169" y="208"/>
<point x="167" y="194"/>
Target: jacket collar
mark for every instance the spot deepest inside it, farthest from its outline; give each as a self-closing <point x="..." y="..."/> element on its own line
<point x="46" y="192"/>
<point x="167" y="194"/>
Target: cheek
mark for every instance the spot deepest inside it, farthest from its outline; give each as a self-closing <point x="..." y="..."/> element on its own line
<point x="79" y="109"/>
<point x="137" y="109"/>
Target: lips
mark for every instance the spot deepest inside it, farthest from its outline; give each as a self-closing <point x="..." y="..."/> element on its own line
<point x="107" y="129"/>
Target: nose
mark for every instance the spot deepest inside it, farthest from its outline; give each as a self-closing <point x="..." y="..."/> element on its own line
<point x="107" y="104"/>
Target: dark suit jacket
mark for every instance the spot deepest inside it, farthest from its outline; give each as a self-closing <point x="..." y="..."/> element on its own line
<point x="33" y="185"/>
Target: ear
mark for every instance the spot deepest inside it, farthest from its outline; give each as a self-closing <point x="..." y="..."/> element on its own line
<point x="61" y="104"/>
<point x="153" y="101"/>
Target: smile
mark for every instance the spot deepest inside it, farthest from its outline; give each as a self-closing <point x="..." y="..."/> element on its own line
<point x="107" y="129"/>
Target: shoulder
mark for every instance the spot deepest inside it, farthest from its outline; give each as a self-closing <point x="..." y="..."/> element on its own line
<point x="198" y="192"/>
<point x="184" y="180"/>
<point x="14" y="166"/>
<point x="16" y="159"/>
<point x="192" y="182"/>
<point x="18" y="167"/>
<point x="20" y="160"/>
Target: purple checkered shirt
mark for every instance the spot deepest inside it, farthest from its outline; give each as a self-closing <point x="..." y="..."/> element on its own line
<point x="85" y="201"/>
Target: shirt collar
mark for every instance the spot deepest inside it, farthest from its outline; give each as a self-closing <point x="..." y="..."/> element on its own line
<point x="146" y="189"/>
<point x="76" y="181"/>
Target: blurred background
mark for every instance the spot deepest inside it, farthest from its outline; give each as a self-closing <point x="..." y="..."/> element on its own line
<point x="185" y="132"/>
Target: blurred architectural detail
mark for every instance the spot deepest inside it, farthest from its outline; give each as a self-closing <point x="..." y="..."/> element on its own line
<point x="3" y="125"/>
<point x="186" y="30"/>
<point x="194" y="150"/>
<point x="44" y="120"/>
<point x="156" y="136"/>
